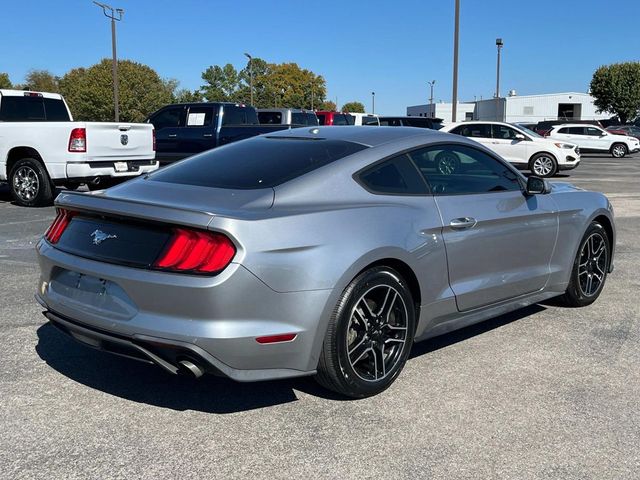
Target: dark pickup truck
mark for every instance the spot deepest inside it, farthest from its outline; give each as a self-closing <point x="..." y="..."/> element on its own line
<point x="185" y="129"/>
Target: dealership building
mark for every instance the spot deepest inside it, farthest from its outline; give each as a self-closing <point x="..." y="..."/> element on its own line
<point x="517" y="108"/>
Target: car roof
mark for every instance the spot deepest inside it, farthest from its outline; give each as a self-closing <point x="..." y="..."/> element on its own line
<point x="575" y="125"/>
<point x="7" y="92"/>
<point x="365" y="135"/>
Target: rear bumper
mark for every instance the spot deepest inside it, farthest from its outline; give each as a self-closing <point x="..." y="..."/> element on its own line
<point x="162" y="317"/>
<point x="84" y="170"/>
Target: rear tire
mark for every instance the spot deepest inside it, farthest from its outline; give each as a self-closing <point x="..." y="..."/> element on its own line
<point x="543" y="165"/>
<point x="30" y="184"/>
<point x="589" y="272"/>
<point x="369" y="336"/>
<point x="619" y="150"/>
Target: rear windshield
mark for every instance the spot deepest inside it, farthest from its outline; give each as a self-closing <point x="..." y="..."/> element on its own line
<point x="270" y="118"/>
<point x="258" y="162"/>
<point x="32" y="109"/>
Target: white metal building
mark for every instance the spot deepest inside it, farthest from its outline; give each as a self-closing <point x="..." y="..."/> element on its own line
<point x="516" y="108"/>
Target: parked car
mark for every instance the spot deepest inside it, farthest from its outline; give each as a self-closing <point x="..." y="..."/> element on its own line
<point x="595" y="139"/>
<point x="528" y="126"/>
<point x="334" y="118"/>
<point x="626" y="130"/>
<point x="370" y="119"/>
<point x="287" y="116"/>
<point x="41" y="147"/>
<point x="185" y="129"/>
<point x="521" y="147"/>
<point x="236" y="262"/>
<point x="420" y="122"/>
<point x="543" y="128"/>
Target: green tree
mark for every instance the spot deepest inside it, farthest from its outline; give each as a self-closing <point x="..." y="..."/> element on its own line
<point x="616" y="89"/>
<point x="222" y="83"/>
<point x="353" y="107"/>
<point x="41" y="81"/>
<point x="89" y="91"/>
<point x="4" y="81"/>
<point x="327" y="106"/>
<point x="188" y="96"/>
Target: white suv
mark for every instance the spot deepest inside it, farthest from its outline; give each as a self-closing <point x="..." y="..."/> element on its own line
<point x="594" y="139"/>
<point x="520" y="146"/>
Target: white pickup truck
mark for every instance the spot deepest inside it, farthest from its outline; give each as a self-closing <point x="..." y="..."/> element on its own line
<point x="41" y="147"/>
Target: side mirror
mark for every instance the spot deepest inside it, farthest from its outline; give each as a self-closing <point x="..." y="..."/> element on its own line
<point x="520" y="136"/>
<point x="537" y="186"/>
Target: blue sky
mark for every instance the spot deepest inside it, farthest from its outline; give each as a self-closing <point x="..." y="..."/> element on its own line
<point x="390" y="47"/>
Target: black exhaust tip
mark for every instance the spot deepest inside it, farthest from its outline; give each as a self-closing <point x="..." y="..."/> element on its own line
<point x="187" y="367"/>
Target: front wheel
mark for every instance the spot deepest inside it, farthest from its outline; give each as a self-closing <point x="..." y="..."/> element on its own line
<point x="30" y="183"/>
<point x="618" y="150"/>
<point x="590" y="267"/>
<point x="543" y="165"/>
<point x="369" y="336"/>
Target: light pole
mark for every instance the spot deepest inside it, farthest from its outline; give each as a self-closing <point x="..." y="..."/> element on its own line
<point x="456" y="35"/>
<point x="499" y="44"/>
<point x="250" y="76"/>
<point x="115" y="14"/>
<point x="431" y="106"/>
<point x="373" y="102"/>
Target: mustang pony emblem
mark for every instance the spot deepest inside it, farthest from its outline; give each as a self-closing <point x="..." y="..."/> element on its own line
<point x="99" y="236"/>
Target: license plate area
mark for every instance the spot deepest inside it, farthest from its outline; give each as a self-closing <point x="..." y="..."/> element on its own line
<point x="120" y="166"/>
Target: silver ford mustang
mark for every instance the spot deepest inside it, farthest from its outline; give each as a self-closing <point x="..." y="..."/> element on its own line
<point x="326" y="251"/>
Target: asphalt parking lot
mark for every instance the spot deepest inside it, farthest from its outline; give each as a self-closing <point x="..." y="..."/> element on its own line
<point x="542" y="393"/>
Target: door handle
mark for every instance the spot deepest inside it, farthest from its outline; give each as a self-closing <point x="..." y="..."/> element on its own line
<point x="462" y="223"/>
<point x="207" y="135"/>
<point x="173" y="135"/>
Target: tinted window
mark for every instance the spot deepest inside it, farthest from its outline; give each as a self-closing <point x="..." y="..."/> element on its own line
<point x="458" y="169"/>
<point x="575" y="131"/>
<point x="594" y="131"/>
<point x="22" y="109"/>
<point x="321" y="119"/>
<point x="503" y="132"/>
<point x="169" y="117"/>
<point x="563" y="130"/>
<point x="56" y="110"/>
<point x="390" y="122"/>
<point x="259" y="162"/>
<point x="199" y="116"/>
<point x="303" y="118"/>
<point x="370" y="120"/>
<point x="396" y="176"/>
<point x="340" y="119"/>
<point x="239" y="116"/>
<point x="477" y="130"/>
<point x="271" y="118"/>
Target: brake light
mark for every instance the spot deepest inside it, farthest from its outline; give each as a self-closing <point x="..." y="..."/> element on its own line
<point x="154" y="138"/>
<point x="78" y="140"/>
<point x="61" y="222"/>
<point x="196" y="251"/>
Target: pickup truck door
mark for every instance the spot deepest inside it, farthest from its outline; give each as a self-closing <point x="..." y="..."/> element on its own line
<point x="199" y="131"/>
<point x="167" y="123"/>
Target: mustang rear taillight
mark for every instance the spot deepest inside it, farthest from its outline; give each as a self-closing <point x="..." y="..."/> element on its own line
<point x="196" y="251"/>
<point x="61" y="222"/>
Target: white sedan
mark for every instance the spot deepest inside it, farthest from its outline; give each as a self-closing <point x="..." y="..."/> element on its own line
<point x="520" y="146"/>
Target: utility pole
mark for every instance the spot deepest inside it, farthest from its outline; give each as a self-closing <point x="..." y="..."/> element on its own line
<point x="456" y="35"/>
<point x="250" y="76"/>
<point x="431" y="105"/>
<point x="499" y="44"/>
<point x="373" y="102"/>
<point x="115" y="14"/>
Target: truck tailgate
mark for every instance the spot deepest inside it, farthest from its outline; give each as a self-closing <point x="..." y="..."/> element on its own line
<point x="115" y="141"/>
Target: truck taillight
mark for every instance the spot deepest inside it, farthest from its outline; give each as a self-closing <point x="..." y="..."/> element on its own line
<point x="154" y="139"/>
<point x="194" y="251"/>
<point x="61" y="222"/>
<point x="78" y="140"/>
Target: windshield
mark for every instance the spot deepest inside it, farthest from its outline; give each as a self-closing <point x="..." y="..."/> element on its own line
<point x="527" y="131"/>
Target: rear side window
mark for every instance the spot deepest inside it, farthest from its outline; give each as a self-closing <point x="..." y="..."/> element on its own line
<point x="575" y="131"/>
<point x="270" y="118"/>
<point x="476" y="130"/>
<point x="56" y="110"/>
<point x="390" y="122"/>
<point x="302" y="118"/>
<point x="239" y="116"/>
<point x="340" y="119"/>
<point x="22" y="109"/>
<point x="167" y="118"/>
<point x="563" y="130"/>
<point x="396" y="176"/>
<point x="370" y="120"/>
<point x="258" y="162"/>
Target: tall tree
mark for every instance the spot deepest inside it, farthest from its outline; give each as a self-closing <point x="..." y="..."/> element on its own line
<point x="222" y="83"/>
<point x="188" y="96"/>
<point x="616" y="89"/>
<point x="353" y="107"/>
<point x="41" y="81"/>
<point x="4" y="80"/>
<point x="89" y="91"/>
<point x="327" y="106"/>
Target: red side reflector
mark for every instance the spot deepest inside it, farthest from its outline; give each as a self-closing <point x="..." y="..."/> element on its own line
<point x="196" y="251"/>
<point x="57" y="228"/>
<point x="284" y="337"/>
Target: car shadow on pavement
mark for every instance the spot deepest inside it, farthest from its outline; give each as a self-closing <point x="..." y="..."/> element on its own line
<point x="145" y="383"/>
